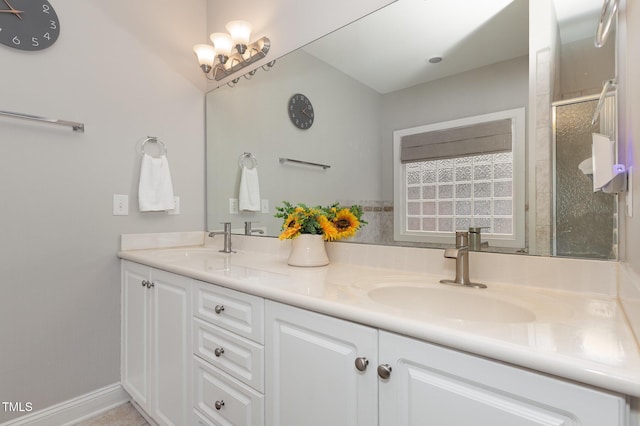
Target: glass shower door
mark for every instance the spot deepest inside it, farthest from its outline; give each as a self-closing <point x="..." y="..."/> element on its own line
<point x="585" y="222"/>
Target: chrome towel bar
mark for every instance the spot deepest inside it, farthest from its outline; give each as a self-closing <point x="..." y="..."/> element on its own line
<point x="77" y="127"/>
<point x="306" y="163"/>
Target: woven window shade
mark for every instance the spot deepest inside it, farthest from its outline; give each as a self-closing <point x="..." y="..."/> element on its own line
<point x="475" y="139"/>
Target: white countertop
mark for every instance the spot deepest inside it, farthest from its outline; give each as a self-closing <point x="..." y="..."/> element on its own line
<point x="578" y="336"/>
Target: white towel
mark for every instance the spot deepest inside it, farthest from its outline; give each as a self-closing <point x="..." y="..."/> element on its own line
<point x="249" y="194"/>
<point x="155" y="191"/>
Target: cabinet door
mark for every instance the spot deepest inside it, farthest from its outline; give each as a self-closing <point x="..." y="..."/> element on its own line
<point x="433" y="385"/>
<point x="171" y="344"/>
<point x="135" y="332"/>
<point x="311" y="377"/>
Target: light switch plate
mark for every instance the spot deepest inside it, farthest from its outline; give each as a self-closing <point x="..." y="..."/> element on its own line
<point x="233" y="206"/>
<point x="120" y="205"/>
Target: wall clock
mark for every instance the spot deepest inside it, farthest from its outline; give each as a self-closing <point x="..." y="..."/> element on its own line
<point x="28" y="24"/>
<point x="301" y="111"/>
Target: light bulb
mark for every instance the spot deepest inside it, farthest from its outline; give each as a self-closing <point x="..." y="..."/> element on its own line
<point x="240" y="33"/>
<point x="206" y="55"/>
<point x="222" y="43"/>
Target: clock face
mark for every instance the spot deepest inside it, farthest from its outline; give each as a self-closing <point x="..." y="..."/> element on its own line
<point x="301" y="111"/>
<point x="28" y="24"/>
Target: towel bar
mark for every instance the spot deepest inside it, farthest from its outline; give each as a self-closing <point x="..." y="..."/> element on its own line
<point x="76" y="127"/>
<point x="306" y="163"/>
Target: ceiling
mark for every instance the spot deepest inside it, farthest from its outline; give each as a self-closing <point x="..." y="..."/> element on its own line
<point x="468" y="34"/>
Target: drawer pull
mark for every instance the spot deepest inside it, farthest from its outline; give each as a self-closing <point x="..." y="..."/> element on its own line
<point x="384" y="371"/>
<point x="219" y="404"/>
<point x="218" y="351"/>
<point x="361" y="363"/>
<point x="219" y="309"/>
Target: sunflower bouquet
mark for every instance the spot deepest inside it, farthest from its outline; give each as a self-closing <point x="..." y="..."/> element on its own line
<point x="333" y="222"/>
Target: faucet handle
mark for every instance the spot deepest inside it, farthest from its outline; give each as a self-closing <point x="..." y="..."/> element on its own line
<point x="462" y="239"/>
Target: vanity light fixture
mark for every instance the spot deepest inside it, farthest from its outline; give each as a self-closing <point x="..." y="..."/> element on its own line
<point x="231" y="52"/>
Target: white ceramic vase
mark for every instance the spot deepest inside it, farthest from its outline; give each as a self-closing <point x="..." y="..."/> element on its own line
<point x="308" y="250"/>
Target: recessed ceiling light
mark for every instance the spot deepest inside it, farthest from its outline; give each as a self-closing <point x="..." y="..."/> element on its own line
<point x="435" y="59"/>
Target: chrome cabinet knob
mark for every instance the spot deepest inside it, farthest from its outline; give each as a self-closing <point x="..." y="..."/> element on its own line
<point x="150" y="284"/>
<point x="361" y="363"/>
<point x="145" y="283"/>
<point x="218" y="309"/>
<point x="218" y="351"/>
<point x="384" y="371"/>
<point x="219" y="404"/>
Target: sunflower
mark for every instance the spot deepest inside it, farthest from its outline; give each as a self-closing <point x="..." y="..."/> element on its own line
<point x="332" y="222"/>
<point x="328" y="229"/>
<point x="291" y="227"/>
<point x="346" y="224"/>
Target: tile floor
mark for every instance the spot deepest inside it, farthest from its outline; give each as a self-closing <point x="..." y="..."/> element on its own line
<point x="122" y="415"/>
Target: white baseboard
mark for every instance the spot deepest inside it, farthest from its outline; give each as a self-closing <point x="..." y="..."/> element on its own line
<point x="76" y="409"/>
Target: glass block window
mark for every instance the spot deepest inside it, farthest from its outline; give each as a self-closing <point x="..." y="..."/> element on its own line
<point x="446" y="195"/>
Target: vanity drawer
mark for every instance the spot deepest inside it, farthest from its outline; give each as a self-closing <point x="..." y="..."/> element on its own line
<point x="239" y="404"/>
<point x="241" y="358"/>
<point x="237" y="312"/>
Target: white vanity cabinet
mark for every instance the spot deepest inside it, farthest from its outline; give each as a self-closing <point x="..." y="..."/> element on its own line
<point x="156" y="313"/>
<point x="433" y="385"/>
<point x="228" y="357"/>
<point x="311" y="375"/>
<point x="312" y="379"/>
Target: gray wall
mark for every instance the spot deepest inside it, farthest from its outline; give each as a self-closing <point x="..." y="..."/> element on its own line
<point x="493" y="88"/>
<point x="252" y="117"/>
<point x="59" y="275"/>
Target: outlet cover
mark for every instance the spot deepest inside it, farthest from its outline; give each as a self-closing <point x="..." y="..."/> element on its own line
<point x="264" y="206"/>
<point x="120" y="205"/>
<point x="176" y="210"/>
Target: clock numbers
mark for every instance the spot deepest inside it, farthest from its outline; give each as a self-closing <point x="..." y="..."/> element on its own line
<point x="301" y="111"/>
<point x="32" y="25"/>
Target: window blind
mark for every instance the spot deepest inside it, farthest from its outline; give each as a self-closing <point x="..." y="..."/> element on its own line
<point x="481" y="138"/>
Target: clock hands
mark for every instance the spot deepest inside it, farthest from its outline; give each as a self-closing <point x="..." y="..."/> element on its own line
<point x="304" y="111"/>
<point x="12" y="10"/>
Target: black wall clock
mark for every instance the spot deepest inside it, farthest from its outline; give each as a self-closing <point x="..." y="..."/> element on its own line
<point x="28" y="24"/>
<point x="301" y="111"/>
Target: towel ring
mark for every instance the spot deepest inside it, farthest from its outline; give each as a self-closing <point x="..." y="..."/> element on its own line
<point x="153" y="139"/>
<point x="609" y="9"/>
<point x="250" y="156"/>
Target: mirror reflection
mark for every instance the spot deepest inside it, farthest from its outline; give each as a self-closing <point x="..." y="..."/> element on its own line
<point x="412" y="63"/>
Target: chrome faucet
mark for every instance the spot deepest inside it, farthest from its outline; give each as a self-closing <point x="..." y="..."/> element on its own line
<point x="461" y="255"/>
<point x="227" y="237"/>
<point x="249" y="231"/>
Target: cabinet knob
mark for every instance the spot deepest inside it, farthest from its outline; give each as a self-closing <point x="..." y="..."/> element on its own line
<point x="218" y="351"/>
<point x="361" y="363"/>
<point x="219" y="404"/>
<point x="384" y="371"/>
<point x="145" y="283"/>
<point x="150" y="284"/>
<point x="218" y="309"/>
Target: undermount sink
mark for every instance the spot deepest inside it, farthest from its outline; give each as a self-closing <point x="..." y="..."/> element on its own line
<point x="206" y="258"/>
<point x="455" y="303"/>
